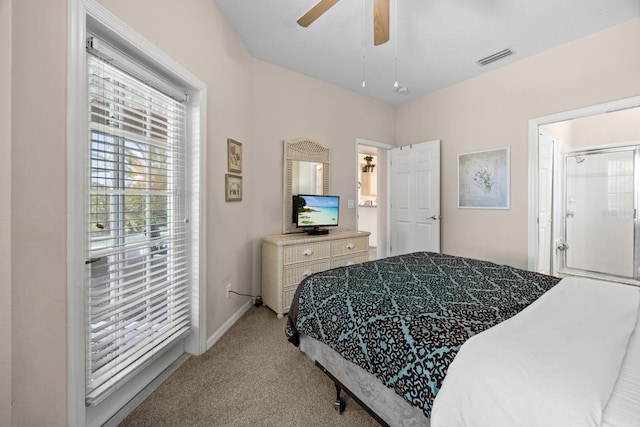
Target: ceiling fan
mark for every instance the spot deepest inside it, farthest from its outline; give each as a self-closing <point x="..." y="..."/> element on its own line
<point x="380" y="18"/>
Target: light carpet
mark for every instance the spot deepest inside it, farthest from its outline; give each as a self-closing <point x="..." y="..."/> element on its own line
<point x="251" y="377"/>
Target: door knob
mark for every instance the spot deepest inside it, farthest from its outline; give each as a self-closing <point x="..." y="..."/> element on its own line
<point x="561" y="245"/>
<point x="434" y="217"/>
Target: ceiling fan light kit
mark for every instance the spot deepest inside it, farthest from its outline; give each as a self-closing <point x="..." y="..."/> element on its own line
<point x="381" y="14"/>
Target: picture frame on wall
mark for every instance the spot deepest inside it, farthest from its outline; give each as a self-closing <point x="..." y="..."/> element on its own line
<point x="234" y="156"/>
<point x="484" y="179"/>
<point x="233" y="188"/>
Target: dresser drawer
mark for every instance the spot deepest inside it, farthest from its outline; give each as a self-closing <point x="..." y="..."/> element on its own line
<point x="287" y="297"/>
<point x="287" y="259"/>
<point x="296" y="273"/>
<point x="306" y="252"/>
<point x="348" y="246"/>
<point x="349" y="260"/>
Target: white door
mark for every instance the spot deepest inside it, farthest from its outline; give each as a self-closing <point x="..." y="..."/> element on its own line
<point x="545" y="199"/>
<point x="415" y="198"/>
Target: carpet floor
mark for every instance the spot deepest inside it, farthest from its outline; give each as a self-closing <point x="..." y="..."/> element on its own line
<point x="251" y="377"/>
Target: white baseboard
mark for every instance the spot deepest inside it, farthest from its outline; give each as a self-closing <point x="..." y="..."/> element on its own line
<point x="229" y="323"/>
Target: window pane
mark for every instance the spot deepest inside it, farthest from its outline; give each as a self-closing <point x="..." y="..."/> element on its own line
<point x="137" y="279"/>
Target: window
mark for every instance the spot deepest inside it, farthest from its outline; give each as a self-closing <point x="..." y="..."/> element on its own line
<point x="138" y="265"/>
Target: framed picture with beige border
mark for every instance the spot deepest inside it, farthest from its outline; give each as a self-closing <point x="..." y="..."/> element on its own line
<point x="234" y="156"/>
<point x="483" y="179"/>
<point x="232" y="187"/>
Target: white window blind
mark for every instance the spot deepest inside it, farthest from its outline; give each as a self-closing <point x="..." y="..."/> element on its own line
<point x="137" y="250"/>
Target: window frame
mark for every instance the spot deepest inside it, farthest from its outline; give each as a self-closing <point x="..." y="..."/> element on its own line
<point x="88" y="15"/>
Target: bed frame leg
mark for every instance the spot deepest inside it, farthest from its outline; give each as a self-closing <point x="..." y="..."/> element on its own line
<point x="339" y="404"/>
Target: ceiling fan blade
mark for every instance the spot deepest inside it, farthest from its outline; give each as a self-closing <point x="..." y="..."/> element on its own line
<point x="380" y="22"/>
<point x="315" y="12"/>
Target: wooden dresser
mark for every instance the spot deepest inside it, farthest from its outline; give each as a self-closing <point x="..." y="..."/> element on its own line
<point x="288" y="258"/>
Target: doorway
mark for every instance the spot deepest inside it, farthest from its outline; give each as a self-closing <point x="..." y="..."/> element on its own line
<point x="583" y="192"/>
<point x="371" y="191"/>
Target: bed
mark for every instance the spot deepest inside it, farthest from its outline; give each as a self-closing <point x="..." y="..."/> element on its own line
<point x="387" y="332"/>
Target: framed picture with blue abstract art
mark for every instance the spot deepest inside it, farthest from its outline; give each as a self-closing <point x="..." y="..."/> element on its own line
<point x="483" y="179"/>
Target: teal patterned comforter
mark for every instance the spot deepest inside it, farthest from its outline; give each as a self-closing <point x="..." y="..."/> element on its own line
<point x="404" y="318"/>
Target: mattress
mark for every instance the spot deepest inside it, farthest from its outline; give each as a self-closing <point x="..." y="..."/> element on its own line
<point x="622" y="410"/>
<point x="385" y="402"/>
<point x="555" y="364"/>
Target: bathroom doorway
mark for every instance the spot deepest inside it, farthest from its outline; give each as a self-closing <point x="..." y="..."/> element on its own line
<point x="371" y="193"/>
<point x="585" y="192"/>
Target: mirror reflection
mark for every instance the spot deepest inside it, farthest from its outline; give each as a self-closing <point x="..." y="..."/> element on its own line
<point x="307" y="177"/>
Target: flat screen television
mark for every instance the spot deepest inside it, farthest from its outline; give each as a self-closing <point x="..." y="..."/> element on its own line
<point x="312" y="212"/>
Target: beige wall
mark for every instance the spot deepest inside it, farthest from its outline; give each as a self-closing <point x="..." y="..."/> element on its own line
<point x="38" y="213"/>
<point x="493" y="111"/>
<point x="5" y="212"/>
<point x="288" y="105"/>
<point x="602" y="129"/>
<point x="259" y="105"/>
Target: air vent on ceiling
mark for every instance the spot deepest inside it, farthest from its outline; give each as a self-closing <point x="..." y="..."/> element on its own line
<point x="495" y="57"/>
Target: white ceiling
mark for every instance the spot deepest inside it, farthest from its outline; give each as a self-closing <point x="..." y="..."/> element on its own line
<point x="438" y="41"/>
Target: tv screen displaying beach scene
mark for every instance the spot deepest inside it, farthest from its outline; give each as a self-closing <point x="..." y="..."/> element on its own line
<point x="317" y="211"/>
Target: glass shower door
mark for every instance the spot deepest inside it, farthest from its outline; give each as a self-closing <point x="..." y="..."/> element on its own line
<point x="599" y="212"/>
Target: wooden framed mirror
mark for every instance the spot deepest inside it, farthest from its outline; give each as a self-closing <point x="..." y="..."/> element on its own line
<point x="306" y="171"/>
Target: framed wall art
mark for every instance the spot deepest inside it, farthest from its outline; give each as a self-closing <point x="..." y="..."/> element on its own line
<point x="234" y="156"/>
<point x="484" y="179"/>
<point x="232" y="187"/>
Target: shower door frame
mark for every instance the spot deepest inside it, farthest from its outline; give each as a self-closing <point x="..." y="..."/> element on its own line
<point x="561" y="217"/>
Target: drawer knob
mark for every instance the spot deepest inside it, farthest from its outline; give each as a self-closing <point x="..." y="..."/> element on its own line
<point x="350" y="246"/>
<point x="307" y="252"/>
<point x="306" y="273"/>
<point x="350" y="263"/>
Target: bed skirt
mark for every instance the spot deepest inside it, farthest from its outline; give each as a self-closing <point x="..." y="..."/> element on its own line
<point x="387" y="404"/>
